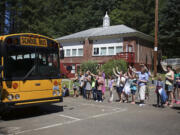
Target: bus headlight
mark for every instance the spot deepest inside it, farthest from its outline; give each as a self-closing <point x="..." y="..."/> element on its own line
<point x="17" y="96"/>
<point x="10" y="97"/>
<point x="54" y="93"/>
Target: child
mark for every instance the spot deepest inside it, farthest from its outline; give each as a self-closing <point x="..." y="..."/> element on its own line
<point x="161" y="94"/>
<point x="65" y="91"/>
<point x="110" y="87"/>
<point x="76" y="85"/>
<point x="126" y="89"/>
<point x="134" y="88"/>
<point x="94" y="88"/>
<point x="120" y="84"/>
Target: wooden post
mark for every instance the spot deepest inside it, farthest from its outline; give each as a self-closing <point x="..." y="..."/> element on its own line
<point x="156" y="38"/>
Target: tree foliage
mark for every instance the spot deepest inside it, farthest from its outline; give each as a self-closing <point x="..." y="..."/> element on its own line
<point x="91" y="66"/>
<point x="56" y="18"/>
<point x="108" y="67"/>
<point x="138" y="14"/>
<point x="169" y="30"/>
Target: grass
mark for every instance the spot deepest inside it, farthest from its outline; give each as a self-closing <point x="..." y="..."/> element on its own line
<point x="155" y="78"/>
<point x="69" y="86"/>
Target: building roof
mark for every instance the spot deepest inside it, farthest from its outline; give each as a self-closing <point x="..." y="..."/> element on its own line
<point x="120" y="30"/>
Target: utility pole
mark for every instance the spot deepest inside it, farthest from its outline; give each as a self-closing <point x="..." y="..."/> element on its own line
<point x="156" y="38"/>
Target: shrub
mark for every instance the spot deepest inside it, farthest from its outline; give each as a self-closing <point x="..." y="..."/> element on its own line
<point x="89" y="65"/>
<point x="108" y="67"/>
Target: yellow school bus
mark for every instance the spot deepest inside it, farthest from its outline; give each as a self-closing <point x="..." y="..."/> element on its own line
<point x="29" y="70"/>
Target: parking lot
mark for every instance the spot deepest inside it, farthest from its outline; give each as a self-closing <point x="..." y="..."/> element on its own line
<point x="78" y="117"/>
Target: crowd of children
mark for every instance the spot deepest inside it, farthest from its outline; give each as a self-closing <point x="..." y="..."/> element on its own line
<point x="92" y="86"/>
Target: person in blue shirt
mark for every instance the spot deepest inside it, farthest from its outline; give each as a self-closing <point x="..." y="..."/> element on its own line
<point x="142" y="81"/>
<point x="65" y="91"/>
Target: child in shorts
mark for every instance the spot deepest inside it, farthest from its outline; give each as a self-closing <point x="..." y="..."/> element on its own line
<point x="75" y="85"/>
<point x="134" y="88"/>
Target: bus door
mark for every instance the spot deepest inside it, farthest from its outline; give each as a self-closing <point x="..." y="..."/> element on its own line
<point x="1" y="68"/>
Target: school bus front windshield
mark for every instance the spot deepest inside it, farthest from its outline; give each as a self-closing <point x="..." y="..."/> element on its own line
<point x="30" y="63"/>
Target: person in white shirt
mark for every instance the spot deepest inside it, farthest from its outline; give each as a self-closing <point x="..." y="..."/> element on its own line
<point x="120" y="84"/>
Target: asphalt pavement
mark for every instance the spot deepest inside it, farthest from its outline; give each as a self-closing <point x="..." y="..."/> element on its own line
<point x="77" y="116"/>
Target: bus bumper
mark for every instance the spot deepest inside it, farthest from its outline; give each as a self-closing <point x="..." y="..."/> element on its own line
<point x="34" y="102"/>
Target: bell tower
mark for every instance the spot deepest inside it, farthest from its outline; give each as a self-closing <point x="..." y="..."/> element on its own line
<point x="106" y="20"/>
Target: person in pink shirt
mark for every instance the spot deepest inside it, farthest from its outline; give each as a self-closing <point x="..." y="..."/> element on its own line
<point x="100" y="87"/>
<point x="104" y="86"/>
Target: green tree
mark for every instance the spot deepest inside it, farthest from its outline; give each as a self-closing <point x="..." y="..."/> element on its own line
<point x="108" y="67"/>
<point x="169" y="31"/>
<point x="92" y="66"/>
<point x="138" y="14"/>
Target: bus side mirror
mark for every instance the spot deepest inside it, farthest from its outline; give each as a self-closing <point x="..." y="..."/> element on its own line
<point x="62" y="54"/>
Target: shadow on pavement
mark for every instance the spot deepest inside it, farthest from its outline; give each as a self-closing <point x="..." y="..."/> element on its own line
<point x="28" y="112"/>
<point x="157" y="106"/>
<point x="68" y="108"/>
<point x="176" y="108"/>
<point x="3" y="131"/>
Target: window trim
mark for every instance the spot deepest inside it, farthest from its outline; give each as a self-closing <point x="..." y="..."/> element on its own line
<point x="77" y="52"/>
<point x="107" y="50"/>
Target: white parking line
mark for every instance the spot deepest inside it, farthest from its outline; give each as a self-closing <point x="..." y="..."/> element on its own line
<point x="46" y="127"/>
<point x="72" y="121"/>
<point x="94" y="105"/>
<point x="106" y="114"/>
<point x="49" y="126"/>
<point x="66" y="116"/>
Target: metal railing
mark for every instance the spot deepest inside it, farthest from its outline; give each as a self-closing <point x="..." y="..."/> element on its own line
<point x="175" y="61"/>
<point x="127" y="56"/>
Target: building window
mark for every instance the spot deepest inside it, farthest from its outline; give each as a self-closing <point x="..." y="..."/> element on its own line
<point x="74" y="52"/>
<point x="96" y="51"/>
<point x="111" y="51"/>
<point x="119" y="49"/>
<point x="80" y="52"/>
<point x="73" y="69"/>
<point x="103" y="51"/>
<point x="68" y="52"/>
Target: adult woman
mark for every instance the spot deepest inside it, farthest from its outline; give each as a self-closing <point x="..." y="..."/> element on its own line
<point x="142" y="80"/>
<point x="169" y="84"/>
<point x="88" y="88"/>
<point x="104" y="86"/>
<point x="100" y="82"/>
<point x="175" y="88"/>
<point x="178" y="87"/>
